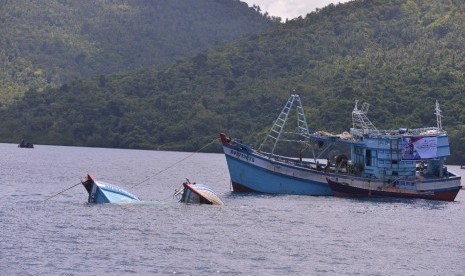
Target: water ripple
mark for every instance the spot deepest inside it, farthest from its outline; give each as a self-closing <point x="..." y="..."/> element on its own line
<point x="252" y="234"/>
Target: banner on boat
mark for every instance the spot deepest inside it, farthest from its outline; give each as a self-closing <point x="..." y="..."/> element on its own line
<point x="417" y="148"/>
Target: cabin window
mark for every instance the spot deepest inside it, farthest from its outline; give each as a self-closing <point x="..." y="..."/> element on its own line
<point x="395" y="173"/>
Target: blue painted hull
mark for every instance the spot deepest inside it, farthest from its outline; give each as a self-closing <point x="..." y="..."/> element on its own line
<point x="251" y="172"/>
<point x="100" y="192"/>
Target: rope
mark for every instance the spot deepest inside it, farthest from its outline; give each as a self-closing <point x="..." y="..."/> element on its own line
<point x="148" y="178"/>
<point x="172" y="165"/>
<point x="62" y="191"/>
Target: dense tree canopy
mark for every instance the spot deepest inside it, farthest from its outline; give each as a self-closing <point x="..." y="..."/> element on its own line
<point x="49" y="42"/>
<point x="398" y="55"/>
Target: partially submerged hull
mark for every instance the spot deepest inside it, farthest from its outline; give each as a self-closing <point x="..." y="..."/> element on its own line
<point x="445" y="192"/>
<point x="252" y="172"/>
<point x="199" y="193"/>
<point x="100" y="192"/>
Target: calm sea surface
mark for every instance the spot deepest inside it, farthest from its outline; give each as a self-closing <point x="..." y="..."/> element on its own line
<point x="251" y="235"/>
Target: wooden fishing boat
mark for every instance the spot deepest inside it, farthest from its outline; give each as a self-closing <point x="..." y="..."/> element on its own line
<point x="403" y="189"/>
<point x="101" y="192"/>
<point x="364" y="157"/>
<point x="198" y="193"/>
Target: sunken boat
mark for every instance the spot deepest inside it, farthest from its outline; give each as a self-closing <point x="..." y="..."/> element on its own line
<point x="197" y="193"/>
<point x="101" y="192"/>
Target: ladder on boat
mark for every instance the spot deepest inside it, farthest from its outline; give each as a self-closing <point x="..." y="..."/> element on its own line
<point x="277" y="130"/>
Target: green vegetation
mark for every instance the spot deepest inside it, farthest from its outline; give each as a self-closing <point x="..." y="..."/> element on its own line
<point x="46" y="43"/>
<point x="398" y="55"/>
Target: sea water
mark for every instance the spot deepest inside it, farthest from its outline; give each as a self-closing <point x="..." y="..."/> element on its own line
<point x="253" y="234"/>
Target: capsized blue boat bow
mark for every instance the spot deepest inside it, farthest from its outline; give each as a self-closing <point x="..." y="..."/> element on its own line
<point x="100" y="192"/>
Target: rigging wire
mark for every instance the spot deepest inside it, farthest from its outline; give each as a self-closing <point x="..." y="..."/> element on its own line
<point x="148" y="178"/>
<point x="174" y="164"/>
<point x="62" y="191"/>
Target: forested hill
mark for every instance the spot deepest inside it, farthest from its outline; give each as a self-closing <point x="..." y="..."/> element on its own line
<point x="398" y="55"/>
<point x="48" y="42"/>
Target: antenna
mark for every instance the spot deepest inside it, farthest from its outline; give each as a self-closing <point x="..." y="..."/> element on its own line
<point x="438" y="115"/>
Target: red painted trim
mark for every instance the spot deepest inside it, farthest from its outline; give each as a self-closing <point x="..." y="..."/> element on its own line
<point x="224" y="139"/>
<point x="241" y="188"/>
<point x="345" y="190"/>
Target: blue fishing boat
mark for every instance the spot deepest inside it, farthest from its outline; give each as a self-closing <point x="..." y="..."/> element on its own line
<point x="365" y="158"/>
<point x="263" y="170"/>
<point x="197" y="193"/>
<point x="101" y="192"/>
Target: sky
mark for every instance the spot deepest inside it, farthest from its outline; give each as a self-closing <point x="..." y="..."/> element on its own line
<point x="289" y="9"/>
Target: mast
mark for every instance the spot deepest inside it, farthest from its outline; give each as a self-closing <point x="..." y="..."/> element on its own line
<point x="360" y="119"/>
<point x="277" y="129"/>
<point x="438" y="115"/>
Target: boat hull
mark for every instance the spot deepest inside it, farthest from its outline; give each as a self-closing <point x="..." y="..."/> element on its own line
<point x="346" y="190"/>
<point x="100" y="192"/>
<point x="200" y="194"/>
<point x="251" y="172"/>
<point x="26" y="146"/>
